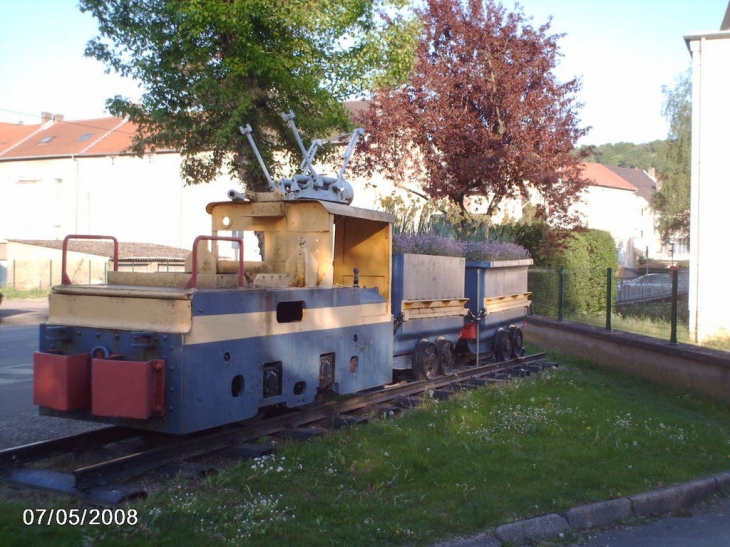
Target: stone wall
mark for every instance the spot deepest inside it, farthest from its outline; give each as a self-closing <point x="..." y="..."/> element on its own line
<point x="688" y="367"/>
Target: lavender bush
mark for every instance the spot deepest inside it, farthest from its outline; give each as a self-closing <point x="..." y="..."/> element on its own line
<point x="486" y="250"/>
<point x="432" y="244"/>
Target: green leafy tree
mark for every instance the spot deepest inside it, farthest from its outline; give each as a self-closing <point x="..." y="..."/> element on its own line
<point x="671" y="202"/>
<point x="629" y="155"/>
<point x="209" y="66"/>
<point x="482" y="114"/>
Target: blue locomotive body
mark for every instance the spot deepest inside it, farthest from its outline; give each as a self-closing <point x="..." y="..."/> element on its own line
<point x="182" y="352"/>
<point x="245" y="350"/>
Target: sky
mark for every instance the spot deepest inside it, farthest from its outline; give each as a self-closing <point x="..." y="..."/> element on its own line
<point x="623" y="51"/>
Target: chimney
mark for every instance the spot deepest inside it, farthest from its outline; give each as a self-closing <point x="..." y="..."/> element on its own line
<point x="58" y="117"/>
<point x="46" y="117"/>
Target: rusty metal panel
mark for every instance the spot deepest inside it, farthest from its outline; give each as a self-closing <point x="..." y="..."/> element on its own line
<point x="62" y="382"/>
<point x="127" y="389"/>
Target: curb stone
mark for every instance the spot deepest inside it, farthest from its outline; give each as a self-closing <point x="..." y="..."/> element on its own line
<point x="598" y="514"/>
<point x="723" y="483"/>
<point x="539" y="527"/>
<point x="662" y="501"/>
<point x="481" y="540"/>
<point x="673" y="499"/>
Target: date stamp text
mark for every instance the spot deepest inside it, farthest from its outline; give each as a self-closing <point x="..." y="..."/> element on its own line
<point x="80" y="517"/>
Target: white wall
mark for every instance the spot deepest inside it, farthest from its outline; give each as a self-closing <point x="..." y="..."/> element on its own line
<point x="618" y="212"/>
<point x="709" y="298"/>
<point x="136" y="199"/>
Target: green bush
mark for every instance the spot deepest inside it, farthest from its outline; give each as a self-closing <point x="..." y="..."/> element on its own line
<point x="543" y="284"/>
<point x="584" y="257"/>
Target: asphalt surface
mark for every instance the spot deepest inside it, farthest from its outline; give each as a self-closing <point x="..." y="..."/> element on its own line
<point x="644" y="520"/>
<point x="17" y="344"/>
<point x="19" y="320"/>
<point x="24" y="312"/>
<point x="708" y="527"/>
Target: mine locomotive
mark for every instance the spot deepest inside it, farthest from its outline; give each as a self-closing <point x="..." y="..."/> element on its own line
<point x="323" y="306"/>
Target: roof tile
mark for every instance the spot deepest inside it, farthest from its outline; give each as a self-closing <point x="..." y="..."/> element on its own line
<point x="100" y="136"/>
<point x="600" y="175"/>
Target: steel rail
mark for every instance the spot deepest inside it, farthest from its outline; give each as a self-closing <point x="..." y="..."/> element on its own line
<point x="28" y="453"/>
<point x="93" y="481"/>
<point x="207" y="442"/>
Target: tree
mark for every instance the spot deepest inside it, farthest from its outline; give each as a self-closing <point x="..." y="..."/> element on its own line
<point x="623" y="154"/>
<point x="209" y="67"/>
<point x="671" y="202"/>
<point x="482" y="113"/>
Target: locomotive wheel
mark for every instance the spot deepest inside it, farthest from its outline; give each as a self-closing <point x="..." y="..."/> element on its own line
<point x="446" y="352"/>
<point x="518" y="342"/>
<point x="426" y="360"/>
<point x="502" y="345"/>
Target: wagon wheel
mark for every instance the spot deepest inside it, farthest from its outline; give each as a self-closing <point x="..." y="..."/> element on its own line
<point x="445" y="349"/>
<point x="502" y="345"/>
<point x="518" y="342"/>
<point x="425" y="360"/>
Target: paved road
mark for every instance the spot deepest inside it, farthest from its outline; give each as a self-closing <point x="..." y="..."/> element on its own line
<point x="708" y="527"/>
<point x="17" y="344"/>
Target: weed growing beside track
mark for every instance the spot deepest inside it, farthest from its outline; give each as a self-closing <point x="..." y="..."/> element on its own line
<point x="11" y="293"/>
<point x="540" y="445"/>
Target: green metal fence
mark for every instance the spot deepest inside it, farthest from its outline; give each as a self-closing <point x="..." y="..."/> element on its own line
<point x="653" y="305"/>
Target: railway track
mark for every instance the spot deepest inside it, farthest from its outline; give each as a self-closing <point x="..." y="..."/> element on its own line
<point x="97" y="484"/>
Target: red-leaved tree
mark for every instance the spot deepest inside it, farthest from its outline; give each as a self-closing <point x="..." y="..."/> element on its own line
<point x="482" y="114"/>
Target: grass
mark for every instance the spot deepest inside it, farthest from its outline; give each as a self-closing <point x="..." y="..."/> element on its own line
<point x="650" y="324"/>
<point x="569" y="436"/>
<point x="11" y="293"/>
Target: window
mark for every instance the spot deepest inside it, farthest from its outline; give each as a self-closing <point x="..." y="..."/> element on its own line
<point x="85" y="137"/>
<point x="46" y="140"/>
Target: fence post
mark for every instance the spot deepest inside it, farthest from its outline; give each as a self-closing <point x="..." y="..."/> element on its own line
<point x="561" y="270"/>
<point x="609" y="298"/>
<point x="675" y="315"/>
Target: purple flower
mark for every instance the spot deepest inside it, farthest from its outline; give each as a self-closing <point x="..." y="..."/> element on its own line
<point x="432" y="244"/>
<point x="487" y="250"/>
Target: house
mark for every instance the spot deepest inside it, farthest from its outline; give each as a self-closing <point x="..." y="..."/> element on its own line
<point x="61" y="177"/>
<point x="64" y="177"/>
<point x="647" y="239"/>
<point x="618" y="200"/>
<point x="709" y="299"/>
